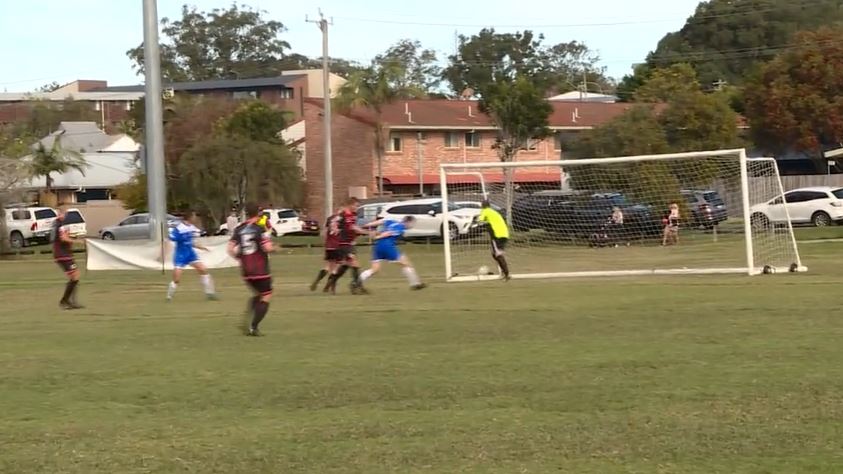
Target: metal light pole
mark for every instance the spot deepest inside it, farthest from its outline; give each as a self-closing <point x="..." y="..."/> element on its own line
<point x="154" y="132"/>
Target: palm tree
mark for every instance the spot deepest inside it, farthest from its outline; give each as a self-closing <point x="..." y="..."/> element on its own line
<point x="373" y="88"/>
<point x="56" y="159"/>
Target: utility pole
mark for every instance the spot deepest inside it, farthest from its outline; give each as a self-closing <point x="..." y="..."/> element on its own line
<point x="154" y="149"/>
<point x="326" y="119"/>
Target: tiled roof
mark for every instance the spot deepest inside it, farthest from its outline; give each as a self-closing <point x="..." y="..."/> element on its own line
<point x="283" y="81"/>
<point x="450" y="114"/>
<point x="520" y="176"/>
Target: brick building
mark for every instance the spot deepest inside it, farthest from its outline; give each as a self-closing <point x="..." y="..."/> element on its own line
<point x="422" y="134"/>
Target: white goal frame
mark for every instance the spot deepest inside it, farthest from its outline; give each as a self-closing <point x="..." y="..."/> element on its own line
<point x="739" y="154"/>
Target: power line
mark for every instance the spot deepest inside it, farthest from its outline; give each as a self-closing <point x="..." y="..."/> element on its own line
<point x="750" y="9"/>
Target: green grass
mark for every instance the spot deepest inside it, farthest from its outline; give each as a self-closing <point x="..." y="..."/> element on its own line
<point x="699" y="374"/>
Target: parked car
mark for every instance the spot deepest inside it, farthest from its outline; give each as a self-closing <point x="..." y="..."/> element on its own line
<point x="133" y="227"/>
<point x="310" y="227"/>
<point x="74" y="221"/>
<point x="478" y="205"/>
<point x="370" y="212"/>
<point x="429" y="222"/>
<point x="283" y="222"/>
<point x="707" y="207"/>
<point x="819" y="206"/>
<point x="28" y="225"/>
<point x="580" y="214"/>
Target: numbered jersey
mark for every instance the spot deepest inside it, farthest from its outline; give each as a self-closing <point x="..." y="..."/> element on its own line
<point x="249" y="239"/>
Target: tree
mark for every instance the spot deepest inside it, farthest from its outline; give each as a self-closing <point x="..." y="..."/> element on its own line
<point x="12" y="174"/>
<point x="727" y="39"/>
<point x="45" y="116"/>
<point x="699" y="122"/>
<point x="509" y="73"/>
<point x="419" y="67"/>
<point x="489" y="57"/>
<point x="374" y="88"/>
<point x="796" y="102"/>
<point x="666" y="84"/>
<point x="257" y="121"/>
<point x="233" y="43"/>
<point x="56" y="159"/>
<point x="243" y="170"/>
<point x="49" y="87"/>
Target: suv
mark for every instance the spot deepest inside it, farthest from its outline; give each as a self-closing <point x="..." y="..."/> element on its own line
<point x="578" y="214"/>
<point x="283" y="222"/>
<point x="428" y="214"/>
<point x="819" y="206"/>
<point x="707" y="207"/>
<point x="29" y="224"/>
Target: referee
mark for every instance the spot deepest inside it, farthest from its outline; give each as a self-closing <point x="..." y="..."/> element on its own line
<point x="499" y="233"/>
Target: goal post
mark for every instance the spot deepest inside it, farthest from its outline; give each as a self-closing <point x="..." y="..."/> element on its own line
<point x="613" y="217"/>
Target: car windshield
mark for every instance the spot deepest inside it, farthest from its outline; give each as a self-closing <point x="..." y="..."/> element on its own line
<point x="713" y="197"/>
<point x="838" y="193"/>
<point x="437" y="207"/>
<point x="617" y="199"/>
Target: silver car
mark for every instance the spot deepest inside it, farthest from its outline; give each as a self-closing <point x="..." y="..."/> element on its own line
<point x="133" y="227"/>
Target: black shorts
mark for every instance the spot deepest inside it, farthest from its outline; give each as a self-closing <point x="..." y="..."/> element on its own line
<point x="334" y="255"/>
<point x="499" y="245"/>
<point x="262" y="286"/>
<point x="67" y="266"/>
<point x="346" y="252"/>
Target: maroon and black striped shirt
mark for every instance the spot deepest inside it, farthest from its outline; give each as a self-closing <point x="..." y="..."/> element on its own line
<point x="249" y="238"/>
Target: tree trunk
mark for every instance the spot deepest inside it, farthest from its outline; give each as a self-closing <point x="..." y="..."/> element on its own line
<point x="379" y="151"/>
<point x="4" y="231"/>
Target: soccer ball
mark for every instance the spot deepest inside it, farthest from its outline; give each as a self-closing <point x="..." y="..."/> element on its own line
<point x="484" y="270"/>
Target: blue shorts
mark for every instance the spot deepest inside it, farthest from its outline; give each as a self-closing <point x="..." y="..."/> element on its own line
<point x="181" y="260"/>
<point x="390" y="254"/>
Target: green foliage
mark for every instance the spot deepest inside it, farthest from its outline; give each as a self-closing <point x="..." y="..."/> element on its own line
<point x="133" y="193"/>
<point x="45" y="161"/>
<point x="490" y="57"/>
<point x="231" y="43"/>
<point x="256" y="121"/>
<point x="243" y="170"/>
<point x="666" y="84"/>
<point x="726" y="38"/>
<point x="520" y="111"/>
<point x="697" y="121"/>
<point x="796" y="102"/>
<point x="49" y="87"/>
<point x="418" y="68"/>
<point x="45" y="116"/>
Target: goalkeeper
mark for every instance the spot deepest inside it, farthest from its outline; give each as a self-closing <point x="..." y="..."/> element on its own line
<point x="498" y="232"/>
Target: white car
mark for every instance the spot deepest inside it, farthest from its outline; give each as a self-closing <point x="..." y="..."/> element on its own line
<point x="283" y="221"/>
<point x="819" y="206"/>
<point x="428" y="214"/>
<point x="28" y="224"/>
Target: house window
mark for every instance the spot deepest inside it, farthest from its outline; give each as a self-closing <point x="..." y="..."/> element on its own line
<point x="531" y="144"/>
<point x="244" y="95"/>
<point x="557" y="142"/>
<point x="472" y="140"/>
<point x="452" y="140"/>
<point x="394" y="142"/>
<point x="286" y="93"/>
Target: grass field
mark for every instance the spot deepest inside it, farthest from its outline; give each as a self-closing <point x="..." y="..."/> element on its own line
<point x="703" y="374"/>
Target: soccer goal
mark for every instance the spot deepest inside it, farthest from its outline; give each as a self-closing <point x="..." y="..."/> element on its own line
<point x="686" y="213"/>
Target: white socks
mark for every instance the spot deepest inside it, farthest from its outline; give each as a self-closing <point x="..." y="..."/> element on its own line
<point x="207" y="283"/>
<point x="171" y="290"/>
<point x="411" y="275"/>
<point x="366" y="275"/>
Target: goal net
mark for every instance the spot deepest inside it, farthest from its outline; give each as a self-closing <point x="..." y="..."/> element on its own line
<point x="686" y="213"/>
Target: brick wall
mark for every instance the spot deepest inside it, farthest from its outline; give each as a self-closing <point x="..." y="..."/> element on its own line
<point x="434" y="152"/>
<point x="353" y="161"/>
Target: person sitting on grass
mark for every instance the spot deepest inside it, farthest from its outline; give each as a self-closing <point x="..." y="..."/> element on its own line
<point x="671" y="226"/>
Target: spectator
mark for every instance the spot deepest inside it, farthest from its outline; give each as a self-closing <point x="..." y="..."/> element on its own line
<point x="616" y="229"/>
<point x="671" y="226"/>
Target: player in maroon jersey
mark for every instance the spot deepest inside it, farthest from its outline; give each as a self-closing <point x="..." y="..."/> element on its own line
<point x="332" y="243"/>
<point x="251" y="244"/>
<point x="347" y="255"/>
<point x="63" y="255"/>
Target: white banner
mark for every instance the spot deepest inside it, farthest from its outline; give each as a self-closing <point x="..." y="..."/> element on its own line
<point x="146" y="255"/>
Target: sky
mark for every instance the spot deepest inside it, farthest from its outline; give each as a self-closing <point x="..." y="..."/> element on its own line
<point x="63" y="40"/>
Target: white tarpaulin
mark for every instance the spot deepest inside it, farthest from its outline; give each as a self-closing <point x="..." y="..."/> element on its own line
<point x="146" y="255"/>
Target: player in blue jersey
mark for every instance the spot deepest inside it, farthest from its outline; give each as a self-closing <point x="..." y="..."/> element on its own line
<point x="386" y="249"/>
<point x="184" y="255"/>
